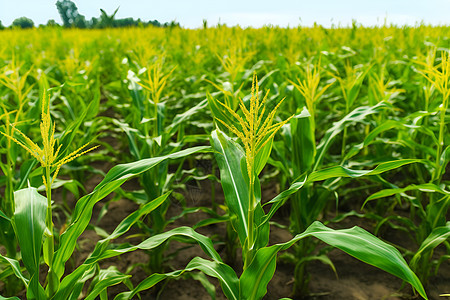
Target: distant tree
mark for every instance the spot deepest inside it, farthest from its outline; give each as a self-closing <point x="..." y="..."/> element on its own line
<point x="23" y="22"/>
<point x="70" y="15"/>
<point x="52" y="23"/>
<point x="93" y="23"/>
<point x="80" y="22"/>
<point x="154" y="23"/>
<point x="1" y="26"/>
<point x="72" y="18"/>
<point x="126" y="22"/>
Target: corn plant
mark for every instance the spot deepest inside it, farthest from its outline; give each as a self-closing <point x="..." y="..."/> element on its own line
<point x="33" y="224"/>
<point x="150" y="134"/>
<point x="431" y="199"/>
<point x="240" y="166"/>
<point x="15" y="80"/>
<point x="296" y="154"/>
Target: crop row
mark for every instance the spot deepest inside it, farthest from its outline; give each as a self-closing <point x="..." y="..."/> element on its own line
<point x="344" y="122"/>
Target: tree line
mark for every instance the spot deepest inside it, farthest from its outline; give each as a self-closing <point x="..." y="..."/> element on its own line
<point x="71" y="18"/>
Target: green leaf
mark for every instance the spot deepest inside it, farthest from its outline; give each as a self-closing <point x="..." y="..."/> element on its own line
<point x="2" y="215"/>
<point x="71" y="130"/>
<point x="113" y="179"/>
<point x="355" y="116"/>
<point x="303" y="142"/>
<point x="75" y="285"/>
<point x="254" y="279"/>
<point x="29" y="225"/>
<point x="385" y="126"/>
<point x="327" y="173"/>
<point x="355" y="241"/>
<point x="15" y="266"/>
<point x="225" y="274"/>
<point x="339" y="171"/>
<point x="129" y="221"/>
<point x="103" y="251"/>
<point x="262" y="157"/>
<point x="25" y="170"/>
<point x="183" y="117"/>
<point x="229" y="156"/>
<point x="426" y="187"/>
<point x="436" y="211"/>
<point x="209" y="287"/>
<point x="281" y="198"/>
<point x="436" y="237"/>
<point x="104" y="279"/>
<point x="9" y="298"/>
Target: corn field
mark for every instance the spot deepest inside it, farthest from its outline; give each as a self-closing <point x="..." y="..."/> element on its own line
<point x="133" y="160"/>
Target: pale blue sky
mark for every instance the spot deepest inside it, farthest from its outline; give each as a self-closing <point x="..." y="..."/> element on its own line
<point x="246" y="13"/>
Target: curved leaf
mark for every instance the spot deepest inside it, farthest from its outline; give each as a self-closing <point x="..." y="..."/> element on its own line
<point x="29" y="225"/>
<point x="106" y="278"/>
<point x="8" y="298"/>
<point x="436" y="237"/>
<point x="15" y="266"/>
<point x="219" y="270"/>
<point x="385" y="126"/>
<point x="340" y="171"/>
<point x="229" y="156"/>
<point x="113" y="179"/>
<point x="426" y="187"/>
<point x="355" y="241"/>
<point x="102" y="251"/>
<point x="357" y="115"/>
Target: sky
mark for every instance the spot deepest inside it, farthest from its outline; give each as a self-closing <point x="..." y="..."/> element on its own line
<point x="191" y="13"/>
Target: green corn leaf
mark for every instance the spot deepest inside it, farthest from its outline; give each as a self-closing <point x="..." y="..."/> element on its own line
<point x="339" y="171"/>
<point x="281" y="198"/>
<point x="357" y="115"/>
<point x="436" y="237"/>
<point x="15" y="266"/>
<point x="436" y="211"/>
<point x="148" y="283"/>
<point x="2" y="215"/>
<point x="106" y="278"/>
<point x="227" y="277"/>
<point x="78" y="286"/>
<point x="102" y="251"/>
<point x="217" y="111"/>
<point x="426" y="187"/>
<point x="8" y="298"/>
<point x="254" y="279"/>
<point x="75" y="285"/>
<point x="183" y="117"/>
<point x="352" y="94"/>
<point x="209" y="287"/>
<point x="385" y="126"/>
<point x="113" y="179"/>
<point x="29" y="225"/>
<point x="355" y="241"/>
<point x="262" y="157"/>
<point x="25" y="171"/>
<point x="303" y="142"/>
<point x="229" y="156"/>
<point x="129" y="221"/>
<point x="131" y="134"/>
<point x="72" y="130"/>
<point x="327" y="173"/>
